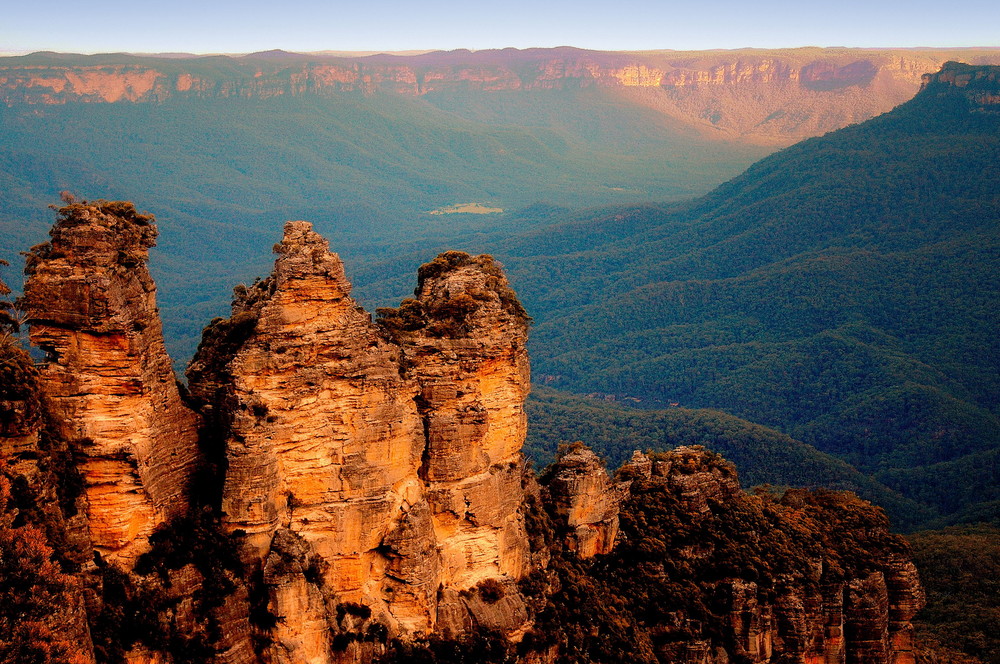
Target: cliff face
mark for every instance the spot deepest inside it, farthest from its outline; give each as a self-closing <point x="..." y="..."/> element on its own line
<point x="466" y="350"/>
<point x="980" y="85"/>
<point x="372" y="501"/>
<point x="106" y="382"/>
<point x="782" y="93"/>
<point x="790" y="591"/>
<point x="322" y="437"/>
<point x="32" y="474"/>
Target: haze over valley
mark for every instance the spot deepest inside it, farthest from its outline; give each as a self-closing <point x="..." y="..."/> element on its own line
<point x="785" y="258"/>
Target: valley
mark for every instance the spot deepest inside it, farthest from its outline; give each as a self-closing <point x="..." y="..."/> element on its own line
<point x="820" y="312"/>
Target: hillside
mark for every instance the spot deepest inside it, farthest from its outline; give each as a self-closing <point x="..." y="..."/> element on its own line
<point x="764" y="456"/>
<point x="842" y="291"/>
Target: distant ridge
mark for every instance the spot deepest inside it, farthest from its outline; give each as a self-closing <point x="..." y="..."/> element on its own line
<point x="766" y="96"/>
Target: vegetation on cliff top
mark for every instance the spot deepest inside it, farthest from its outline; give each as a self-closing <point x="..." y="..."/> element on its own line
<point x="34" y="591"/>
<point x="960" y="570"/>
<point x="763" y="455"/>
<point x="451" y="316"/>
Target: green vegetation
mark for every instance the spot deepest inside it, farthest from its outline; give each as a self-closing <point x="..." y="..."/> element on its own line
<point x="762" y="455"/>
<point x="960" y="570"/>
<point x="842" y="292"/>
<point x="222" y="175"/>
<point x="191" y="562"/>
<point x="673" y="575"/>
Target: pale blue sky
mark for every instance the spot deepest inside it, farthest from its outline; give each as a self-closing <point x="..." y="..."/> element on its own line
<point x="310" y="25"/>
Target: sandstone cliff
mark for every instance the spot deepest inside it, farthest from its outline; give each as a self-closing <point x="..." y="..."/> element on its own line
<point x="34" y="473"/>
<point x="979" y="84"/>
<point x="777" y="95"/>
<point x="702" y="572"/>
<point x="395" y="468"/>
<point x="106" y="383"/>
<point x="583" y="497"/>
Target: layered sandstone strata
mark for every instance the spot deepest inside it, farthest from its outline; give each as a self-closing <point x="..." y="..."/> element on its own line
<point x="768" y="95"/>
<point x="321" y="435"/>
<point x="106" y="383"/>
<point x="34" y="464"/>
<point x="464" y="341"/>
<point x="585" y="498"/>
<point x="843" y="602"/>
<point x="390" y="458"/>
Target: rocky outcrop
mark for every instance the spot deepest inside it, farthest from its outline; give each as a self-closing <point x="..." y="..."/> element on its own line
<point x="37" y="471"/>
<point x="321" y="435"/>
<point x="390" y="456"/>
<point x="372" y="482"/>
<point x="584" y="497"/>
<point x="980" y="85"/>
<point x="106" y="382"/>
<point x="816" y="584"/>
<point x="761" y="94"/>
<point x="464" y="343"/>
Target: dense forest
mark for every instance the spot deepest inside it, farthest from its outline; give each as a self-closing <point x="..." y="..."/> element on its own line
<point x="960" y="570"/>
<point x="367" y="170"/>
<point x="763" y="455"/>
<point x="842" y="291"/>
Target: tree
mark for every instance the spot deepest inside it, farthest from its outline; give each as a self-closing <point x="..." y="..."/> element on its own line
<point x="34" y="592"/>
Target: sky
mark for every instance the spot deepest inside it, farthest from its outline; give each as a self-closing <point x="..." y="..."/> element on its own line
<point x="225" y="26"/>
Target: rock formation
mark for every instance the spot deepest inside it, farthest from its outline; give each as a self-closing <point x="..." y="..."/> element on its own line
<point x="28" y="468"/>
<point x="824" y="581"/>
<point x="106" y="383"/>
<point x="582" y="495"/>
<point x="397" y="467"/>
<point x="467" y="352"/>
<point x="979" y="84"/>
<point x="362" y="492"/>
<point x="322" y="438"/>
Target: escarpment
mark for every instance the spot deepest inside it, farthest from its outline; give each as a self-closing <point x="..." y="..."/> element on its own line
<point x="106" y="382"/>
<point x="771" y="95"/>
<point x="348" y="490"/>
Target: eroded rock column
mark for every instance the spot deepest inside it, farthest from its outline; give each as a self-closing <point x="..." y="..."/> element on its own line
<point x="464" y="340"/>
<point x="322" y="437"/>
<point x="585" y="497"/>
<point x="107" y="382"/>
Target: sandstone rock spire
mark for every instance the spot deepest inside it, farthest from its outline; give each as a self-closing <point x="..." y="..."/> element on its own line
<point x="464" y="338"/>
<point x="106" y="382"/>
<point x="384" y="459"/>
<point x="585" y="498"/>
<point x="321" y="434"/>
